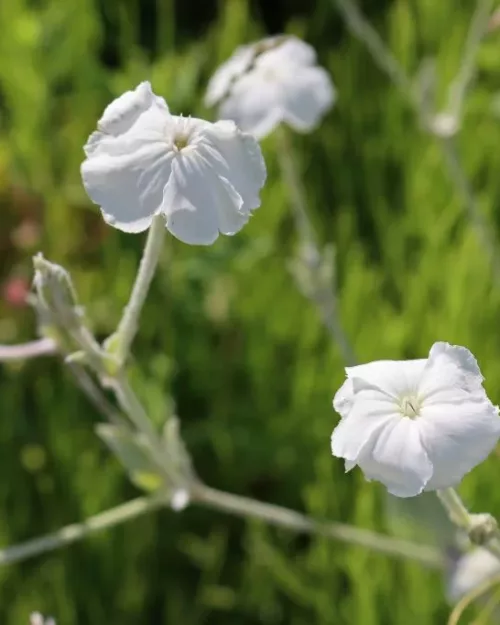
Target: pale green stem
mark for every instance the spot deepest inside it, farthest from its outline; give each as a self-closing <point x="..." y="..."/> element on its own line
<point x="32" y="349"/>
<point x="455" y="507"/>
<point x="364" y="31"/>
<point x="324" y="295"/>
<point x="477" y="30"/>
<point x="293" y="182"/>
<point x="464" y="520"/>
<point x="94" y="393"/>
<point x="132" y="407"/>
<point x="239" y="506"/>
<point x="484" y="232"/>
<point x="121" y="341"/>
<point x="283" y="517"/>
<point x="77" y="531"/>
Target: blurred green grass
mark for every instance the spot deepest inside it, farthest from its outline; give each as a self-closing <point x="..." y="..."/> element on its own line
<point x="225" y="330"/>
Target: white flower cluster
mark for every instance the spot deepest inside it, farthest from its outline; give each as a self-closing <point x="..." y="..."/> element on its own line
<point x="203" y="178"/>
<point x="414" y="425"/>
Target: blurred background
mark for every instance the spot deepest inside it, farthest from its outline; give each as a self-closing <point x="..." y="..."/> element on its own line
<point x="225" y="331"/>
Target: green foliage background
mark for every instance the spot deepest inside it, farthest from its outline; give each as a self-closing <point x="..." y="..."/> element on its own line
<point x="225" y="331"/>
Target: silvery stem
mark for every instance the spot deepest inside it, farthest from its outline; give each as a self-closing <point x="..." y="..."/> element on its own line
<point x="122" y="339"/>
<point x="32" y="349"/>
<point x="283" y="517"/>
<point x="478" y="28"/>
<point x="296" y="190"/>
<point x="231" y="504"/>
<point x="77" y="531"/>
<point x="321" y="294"/>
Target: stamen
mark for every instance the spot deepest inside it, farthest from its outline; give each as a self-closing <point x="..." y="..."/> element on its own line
<point x="410" y="407"/>
<point x="181" y="141"/>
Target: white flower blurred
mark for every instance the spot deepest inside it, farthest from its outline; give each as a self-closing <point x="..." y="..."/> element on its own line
<point x="142" y="161"/>
<point x="37" y="619"/>
<point x="180" y="499"/>
<point x="270" y="82"/>
<point x="416" y="425"/>
<point x="470" y="570"/>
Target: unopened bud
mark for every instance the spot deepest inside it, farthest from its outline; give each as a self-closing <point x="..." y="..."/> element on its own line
<point x="55" y="293"/>
<point x="483" y="529"/>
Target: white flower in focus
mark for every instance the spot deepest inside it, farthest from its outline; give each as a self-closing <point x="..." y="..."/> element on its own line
<point x="270" y="82"/>
<point x="142" y="161"/>
<point x="469" y="571"/>
<point x="416" y="425"/>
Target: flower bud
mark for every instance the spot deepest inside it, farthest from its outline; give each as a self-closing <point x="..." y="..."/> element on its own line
<point x="56" y="297"/>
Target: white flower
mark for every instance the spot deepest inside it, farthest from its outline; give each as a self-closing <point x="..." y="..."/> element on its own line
<point x="142" y="161"/>
<point x="270" y="82"/>
<point x="37" y="619"/>
<point x="469" y="571"/>
<point x="416" y="425"/>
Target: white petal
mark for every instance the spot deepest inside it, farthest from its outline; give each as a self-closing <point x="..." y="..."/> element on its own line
<point x="140" y="124"/>
<point x="237" y="157"/>
<point x="255" y="104"/>
<point x="129" y="187"/>
<point x="122" y="113"/>
<point x="344" y="397"/>
<point x="394" y="377"/>
<point x="308" y="94"/>
<point x="457" y="436"/>
<point x="396" y="457"/>
<point x="198" y="203"/>
<point x="370" y="412"/>
<point x="220" y="83"/>
<point x="291" y="51"/>
<point x="128" y="159"/>
<point x="450" y="367"/>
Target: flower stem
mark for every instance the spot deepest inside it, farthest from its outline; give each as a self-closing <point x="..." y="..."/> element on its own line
<point x="293" y="182"/>
<point x="319" y="292"/>
<point x="122" y="339"/>
<point x="384" y="58"/>
<point x="231" y="504"/>
<point x="455" y="507"/>
<point x="283" y="517"/>
<point x="72" y="533"/>
<point x="477" y="30"/>
<point x="484" y="232"/>
<point x="482" y="529"/>
<point x="132" y="407"/>
<point x="32" y="349"/>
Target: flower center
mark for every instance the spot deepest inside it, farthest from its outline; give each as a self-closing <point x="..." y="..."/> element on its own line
<point x="409" y="406"/>
<point x="181" y="141"/>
